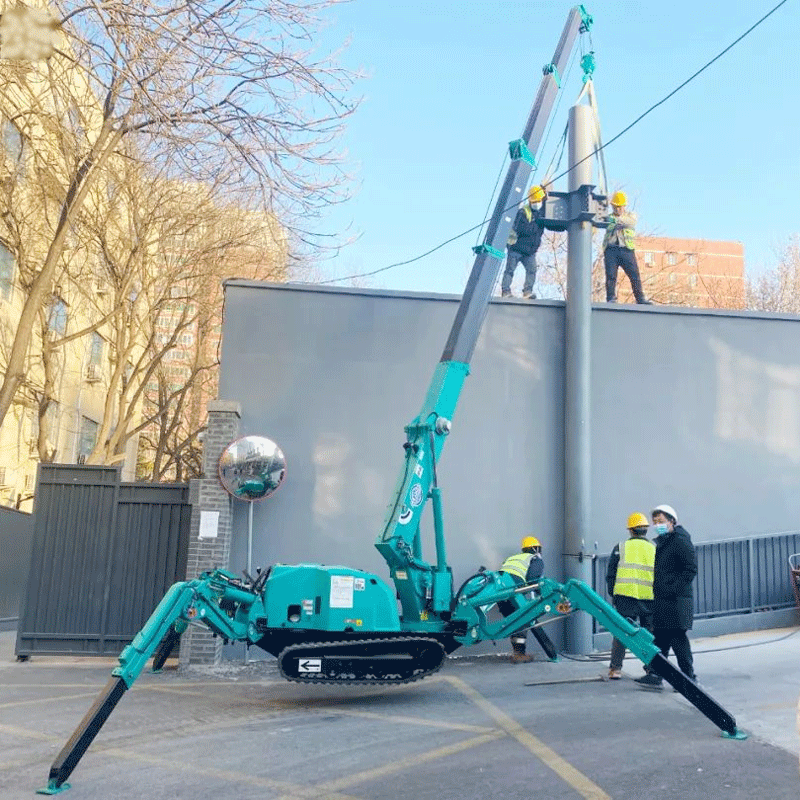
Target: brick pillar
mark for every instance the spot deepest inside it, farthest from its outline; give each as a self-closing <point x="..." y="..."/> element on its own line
<point x="198" y="645"/>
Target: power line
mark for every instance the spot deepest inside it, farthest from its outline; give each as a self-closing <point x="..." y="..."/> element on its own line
<point x="676" y="90"/>
<point x="593" y="153"/>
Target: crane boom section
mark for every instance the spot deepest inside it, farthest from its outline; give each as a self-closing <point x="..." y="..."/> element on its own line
<point x="421" y="587"/>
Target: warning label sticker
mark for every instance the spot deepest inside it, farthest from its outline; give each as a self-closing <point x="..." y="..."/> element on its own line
<point x="309" y="665"/>
<point x="341" y="591"/>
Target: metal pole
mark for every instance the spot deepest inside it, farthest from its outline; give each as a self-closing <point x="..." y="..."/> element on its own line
<point x="250" y="538"/>
<point x="577" y="442"/>
<point x="249" y="562"/>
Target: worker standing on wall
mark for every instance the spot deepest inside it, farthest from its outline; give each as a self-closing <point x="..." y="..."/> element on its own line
<point x="629" y="579"/>
<point x="523" y="242"/>
<point x="526" y="567"/>
<point x="619" y="250"/>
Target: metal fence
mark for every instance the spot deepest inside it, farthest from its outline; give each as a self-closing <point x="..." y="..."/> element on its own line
<point x="16" y="535"/>
<point x="103" y="555"/>
<point x="734" y="576"/>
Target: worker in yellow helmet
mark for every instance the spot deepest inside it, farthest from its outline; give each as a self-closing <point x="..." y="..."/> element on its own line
<point x="619" y="250"/>
<point x="526" y="567"/>
<point x="523" y="242"/>
<point x="629" y="579"/>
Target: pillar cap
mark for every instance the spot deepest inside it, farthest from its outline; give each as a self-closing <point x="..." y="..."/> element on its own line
<point x="225" y="406"/>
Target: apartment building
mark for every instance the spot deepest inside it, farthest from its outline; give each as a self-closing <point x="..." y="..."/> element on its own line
<point x="700" y="273"/>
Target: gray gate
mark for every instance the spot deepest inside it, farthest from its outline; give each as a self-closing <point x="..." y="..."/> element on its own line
<point x="103" y="555"/>
<point x="16" y="533"/>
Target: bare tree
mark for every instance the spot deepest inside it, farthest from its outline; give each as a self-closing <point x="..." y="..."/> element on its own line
<point x="164" y="248"/>
<point x="778" y="289"/>
<point x="222" y="90"/>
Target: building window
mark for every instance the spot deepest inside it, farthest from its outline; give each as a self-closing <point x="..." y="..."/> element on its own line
<point x="96" y="350"/>
<point x="88" y="438"/>
<point x="693" y="280"/>
<point x="649" y="259"/>
<point x="57" y="321"/>
<point x="691" y="259"/>
<point x="7" y="267"/>
<point x="672" y="259"/>
<point x="12" y="141"/>
<point x="672" y="277"/>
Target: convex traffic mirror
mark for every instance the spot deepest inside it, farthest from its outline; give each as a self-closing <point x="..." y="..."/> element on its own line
<point x="252" y="467"/>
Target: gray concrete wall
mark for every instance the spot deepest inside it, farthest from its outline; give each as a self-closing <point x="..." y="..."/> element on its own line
<point x="700" y="410"/>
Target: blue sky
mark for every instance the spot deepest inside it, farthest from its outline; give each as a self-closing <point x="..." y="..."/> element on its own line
<point x="449" y="84"/>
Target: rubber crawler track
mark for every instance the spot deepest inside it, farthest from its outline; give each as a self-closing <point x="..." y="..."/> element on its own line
<point x="349" y="682"/>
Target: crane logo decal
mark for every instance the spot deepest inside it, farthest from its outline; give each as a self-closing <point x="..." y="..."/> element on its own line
<point x="405" y="516"/>
<point x="416" y="495"/>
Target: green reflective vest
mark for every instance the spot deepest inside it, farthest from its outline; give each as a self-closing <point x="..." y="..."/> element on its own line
<point x="517" y="565"/>
<point x="621" y="231"/>
<point x="637" y="558"/>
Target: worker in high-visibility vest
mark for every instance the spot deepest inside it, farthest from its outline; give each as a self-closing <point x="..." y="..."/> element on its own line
<point x="619" y="250"/>
<point x="526" y="567"/>
<point x="629" y="579"/>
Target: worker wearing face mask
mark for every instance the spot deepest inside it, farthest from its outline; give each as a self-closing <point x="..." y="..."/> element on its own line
<point x="673" y="600"/>
<point x="523" y="242"/>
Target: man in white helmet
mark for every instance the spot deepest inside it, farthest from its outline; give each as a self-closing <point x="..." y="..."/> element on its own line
<point x="673" y="599"/>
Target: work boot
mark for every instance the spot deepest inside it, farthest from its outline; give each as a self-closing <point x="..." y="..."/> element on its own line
<point x="614" y="674"/>
<point x="645" y="302"/>
<point x="521" y="658"/>
<point x="611" y="299"/>
<point x="649" y="681"/>
<point x="506" y="294"/>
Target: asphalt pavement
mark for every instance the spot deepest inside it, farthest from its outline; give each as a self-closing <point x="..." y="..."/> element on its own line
<point x="480" y="728"/>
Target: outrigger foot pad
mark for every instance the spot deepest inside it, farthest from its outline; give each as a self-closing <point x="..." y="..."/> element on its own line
<point x="737" y="734"/>
<point x="51" y="788"/>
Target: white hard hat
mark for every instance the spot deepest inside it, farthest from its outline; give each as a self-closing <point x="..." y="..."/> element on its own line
<point x="665" y="509"/>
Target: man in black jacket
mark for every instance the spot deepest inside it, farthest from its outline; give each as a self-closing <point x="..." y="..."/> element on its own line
<point x="673" y="599"/>
<point x="523" y="242"/>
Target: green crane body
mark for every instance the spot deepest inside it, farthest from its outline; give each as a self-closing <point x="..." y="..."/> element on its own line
<point x="337" y="625"/>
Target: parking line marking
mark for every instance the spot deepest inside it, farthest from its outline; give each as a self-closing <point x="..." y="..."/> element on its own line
<point x="569" y="774"/>
<point x="410" y="762"/>
<point x="24" y="733"/>
<point x="293" y="790"/>
<point x="53" y="699"/>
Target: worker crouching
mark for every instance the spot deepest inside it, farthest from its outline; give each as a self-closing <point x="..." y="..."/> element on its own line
<point x="526" y="567"/>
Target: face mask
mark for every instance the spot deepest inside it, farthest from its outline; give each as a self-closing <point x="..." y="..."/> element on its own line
<point x="535" y="206"/>
<point x="661" y="528"/>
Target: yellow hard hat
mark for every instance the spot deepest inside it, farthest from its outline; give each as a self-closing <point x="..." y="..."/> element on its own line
<point x="637" y="520"/>
<point x="532" y="541"/>
<point x="536" y="194"/>
<point x="619" y="199"/>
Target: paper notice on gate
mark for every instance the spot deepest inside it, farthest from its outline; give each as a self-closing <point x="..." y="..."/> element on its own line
<point x="341" y="591"/>
<point x="209" y="524"/>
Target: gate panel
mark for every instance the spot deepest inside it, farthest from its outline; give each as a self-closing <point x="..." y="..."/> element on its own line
<point x="104" y="554"/>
